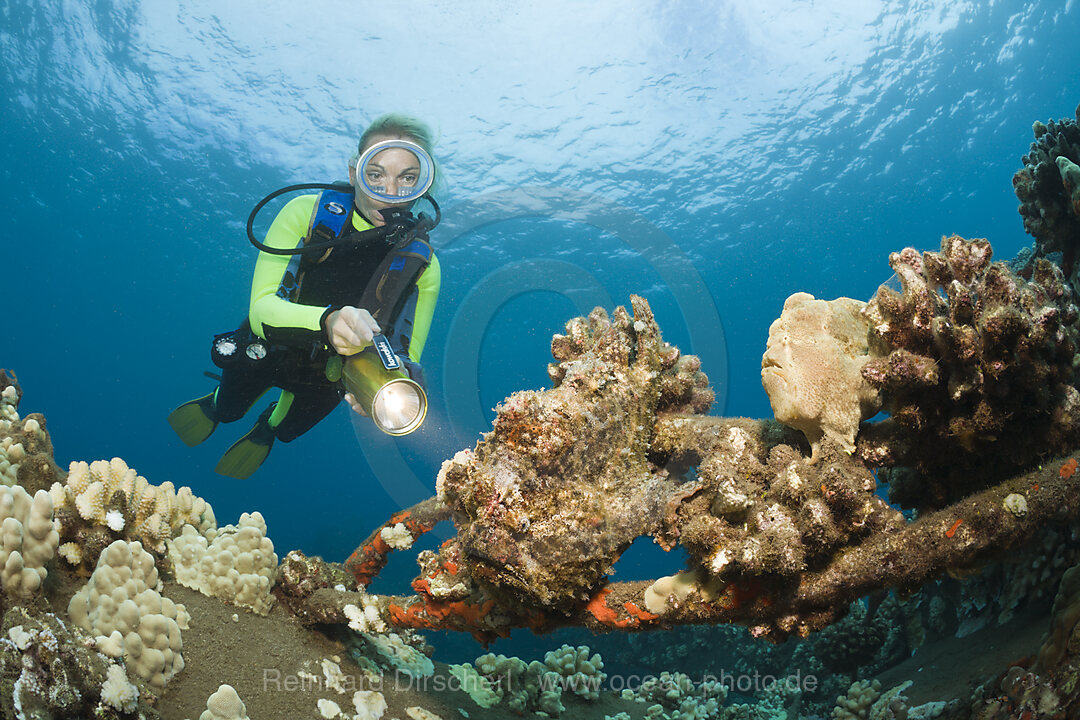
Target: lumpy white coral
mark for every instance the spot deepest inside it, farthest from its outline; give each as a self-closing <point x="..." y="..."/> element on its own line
<point x="27" y="541"/>
<point x="121" y="605"/>
<point x="397" y="536"/>
<point x="369" y="704"/>
<point x="11" y="452"/>
<point x="235" y="563"/>
<point x="366" y="619"/>
<point x="115" y="520"/>
<point x="224" y="704"/>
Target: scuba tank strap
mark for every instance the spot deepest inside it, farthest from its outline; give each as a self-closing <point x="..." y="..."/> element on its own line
<point x="394" y="280"/>
<point x="329" y="218"/>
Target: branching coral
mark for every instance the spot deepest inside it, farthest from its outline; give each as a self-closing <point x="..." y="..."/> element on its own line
<point x="975" y="367"/>
<point x="105" y="501"/>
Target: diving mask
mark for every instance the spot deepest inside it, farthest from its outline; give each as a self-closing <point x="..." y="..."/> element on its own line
<point x="394" y="172"/>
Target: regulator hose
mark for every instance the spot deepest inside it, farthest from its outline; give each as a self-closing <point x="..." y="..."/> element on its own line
<point x="401" y="227"/>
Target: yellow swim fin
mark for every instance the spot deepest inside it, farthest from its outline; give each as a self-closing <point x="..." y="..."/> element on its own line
<point x="248" y="453"/>
<point x="194" y="421"/>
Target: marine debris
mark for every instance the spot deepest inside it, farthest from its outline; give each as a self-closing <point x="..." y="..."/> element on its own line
<point x="776" y="541"/>
<point x="782" y="523"/>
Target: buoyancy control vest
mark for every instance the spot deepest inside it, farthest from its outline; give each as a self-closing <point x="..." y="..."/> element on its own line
<point x="370" y="274"/>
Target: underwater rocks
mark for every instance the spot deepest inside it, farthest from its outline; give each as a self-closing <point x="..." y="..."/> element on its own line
<point x="26" y="452"/>
<point x="563" y="483"/>
<point x="1050" y="687"/>
<point x="1048" y="187"/>
<point x="49" y="669"/>
<point x="975" y="368"/>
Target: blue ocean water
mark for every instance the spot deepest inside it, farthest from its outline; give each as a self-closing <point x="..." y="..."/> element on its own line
<point x="714" y="157"/>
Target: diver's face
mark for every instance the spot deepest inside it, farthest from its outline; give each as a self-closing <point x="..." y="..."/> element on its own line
<point x="393" y="169"/>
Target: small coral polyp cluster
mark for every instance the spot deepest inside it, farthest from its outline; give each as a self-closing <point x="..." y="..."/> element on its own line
<point x="572" y="462"/>
<point x="974" y="365"/>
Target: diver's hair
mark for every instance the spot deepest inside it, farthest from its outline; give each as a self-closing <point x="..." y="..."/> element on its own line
<point x="399" y="125"/>
<point x="396" y="124"/>
<point x="403" y="126"/>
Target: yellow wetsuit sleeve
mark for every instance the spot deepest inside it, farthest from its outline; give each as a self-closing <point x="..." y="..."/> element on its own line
<point x="267" y="308"/>
<point x="427" y="286"/>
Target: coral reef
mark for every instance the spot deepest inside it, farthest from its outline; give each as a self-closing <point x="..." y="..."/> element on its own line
<point x="522" y="494"/>
<point x="975" y="368"/>
<point x="224" y="704"/>
<point x="122" y="608"/>
<point x="27" y="541"/>
<point x="236" y="563"/>
<point x="26" y="453"/>
<point x="679" y="695"/>
<point x="47" y="671"/>
<point x="1050" y="688"/>
<point x="104" y="501"/>
<point x="1048" y="187"/>
<point x="779" y="541"/>
<point x="812" y="369"/>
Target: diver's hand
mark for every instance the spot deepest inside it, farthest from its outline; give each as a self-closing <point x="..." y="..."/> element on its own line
<point x="350" y="329"/>
<point x="356" y="406"/>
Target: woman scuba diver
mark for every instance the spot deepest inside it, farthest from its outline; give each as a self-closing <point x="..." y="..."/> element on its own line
<point x="342" y="298"/>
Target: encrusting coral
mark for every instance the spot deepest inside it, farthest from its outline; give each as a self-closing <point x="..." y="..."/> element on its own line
<point x="520" y="493"/>
<point x="617" y="449"/>
<point x="48" y="670"/>
<point x="973" y="363"/>
<point x="568" y="477"/>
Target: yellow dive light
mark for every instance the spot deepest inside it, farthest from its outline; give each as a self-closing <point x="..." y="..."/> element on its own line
<point x="379" y="382"/>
